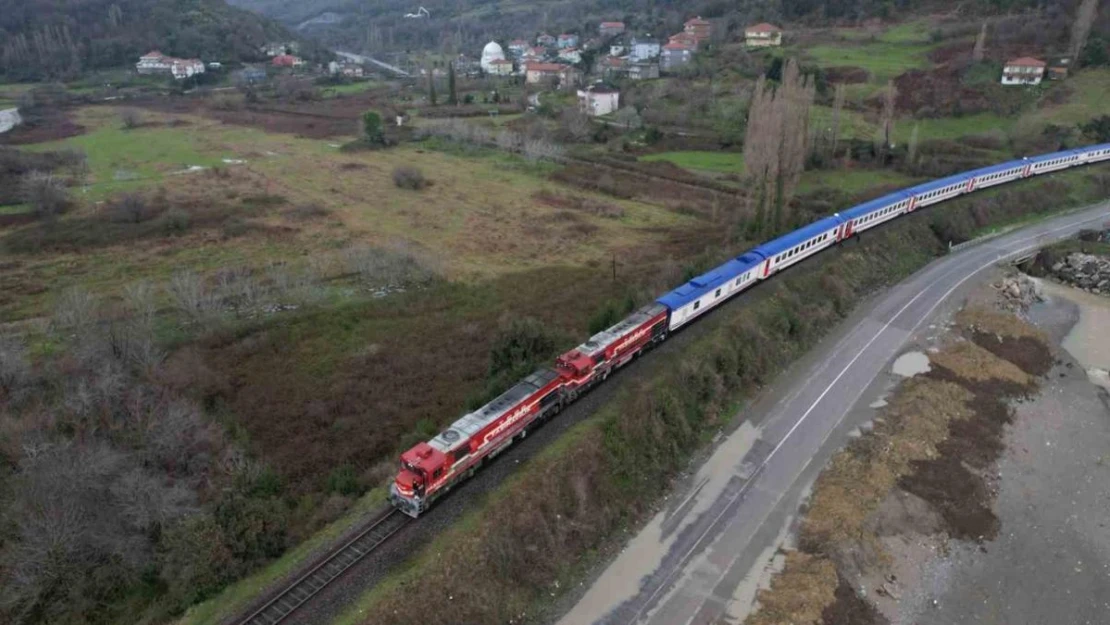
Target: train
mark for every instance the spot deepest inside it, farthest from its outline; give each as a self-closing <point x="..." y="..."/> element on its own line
<point x="430" y="469"/>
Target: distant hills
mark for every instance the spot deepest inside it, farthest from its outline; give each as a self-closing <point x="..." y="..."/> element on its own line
<point x="60" y="39"/>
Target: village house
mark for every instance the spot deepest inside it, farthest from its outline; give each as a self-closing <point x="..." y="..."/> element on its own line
<point x="500" y="67"/>
<point x="534" y="54"/>
<point x="570" y="55"/>
<point x="644" y="48"/>
<point x="674" y="56"/>
<point x="342" y="68"/>
<point x="155" y="62"/>
<point x="643" y="71"/>
<point x="685" y="39"/>
<point x="1058" y="68"/>
<point x="567" y="40"/>
<point x="251" y="75"/>
<point x="617" y="49"/>
<point x="287" y="60"/>
<point x="610" y="29"/>
<point x="699" y="28"/>
<point x="762" y="36"/>
<point x="598" y="99"/>
<point x="536" y="73"/>
<point x="1023" y="71"/>
<point x="545" y="40"/>
<point x="517" y="47"/>
<point x="612" y="66"/>
<point x="278" y="48"/>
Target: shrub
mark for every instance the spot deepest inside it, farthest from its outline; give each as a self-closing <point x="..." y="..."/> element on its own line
<point x="236" y="227"/>
<point x="131" y="208"/>
<point x="304" y="212"/>
<point x="131" y="118"/>
<point x="409" y="177"/>
<point x="46" y="194"/>
<point x="174" y="221"/>
<point x="343" y="481"/>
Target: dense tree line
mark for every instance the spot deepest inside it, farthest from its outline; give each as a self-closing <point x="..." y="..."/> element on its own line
<point x="59" y="39"/>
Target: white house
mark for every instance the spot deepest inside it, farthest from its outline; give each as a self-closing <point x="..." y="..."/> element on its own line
<point x="570" y="55"/>
<point x="155" y="62"/>
<point x="644" y="49"/>
<point x="500" y="67"/>
<point x="598" y="100"/>
<point x="185" y="68"/>
<point x="1023" y="71"/>
<point x="762" y="35"/>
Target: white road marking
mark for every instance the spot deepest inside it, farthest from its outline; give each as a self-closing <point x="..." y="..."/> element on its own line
<point x="886" y="326"/>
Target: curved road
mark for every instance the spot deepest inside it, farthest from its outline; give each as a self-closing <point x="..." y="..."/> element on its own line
<point x="710" y="546"/>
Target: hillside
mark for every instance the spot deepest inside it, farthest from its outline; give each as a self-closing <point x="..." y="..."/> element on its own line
<point x="59" y="39"/>
<point x="381" y="25"/>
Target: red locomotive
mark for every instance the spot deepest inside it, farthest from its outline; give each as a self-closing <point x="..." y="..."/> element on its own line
<point x="430" y="469"/>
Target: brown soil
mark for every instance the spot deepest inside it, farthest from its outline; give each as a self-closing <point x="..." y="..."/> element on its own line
<point x="851" y="609"/>
<point x="1030" y="355"/>
<point x="847" y="75"/>
<point x="322" y="119"/>
<point x="51" y="126"/>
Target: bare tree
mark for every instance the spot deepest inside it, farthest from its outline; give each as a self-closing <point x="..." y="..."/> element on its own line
<point x="1081" y="29"/>
<point x="980" y="45"/>
<point x="885" y="135"/>
<point x="46" y="194"/>
<point x="190" y="295"/>
<point x="75" y="311"/>
<point x="911" y="149"/>
<point x="838" y="108"/>
<point x="15" y="369"/>
<point x="775" y="145"/>
<point x="575" y="124"/>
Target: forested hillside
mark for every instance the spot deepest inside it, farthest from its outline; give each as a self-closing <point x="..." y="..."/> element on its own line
<point x="59" y="39"/>
<point x="380" y="25"/>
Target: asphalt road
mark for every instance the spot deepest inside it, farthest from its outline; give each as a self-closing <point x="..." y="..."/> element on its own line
<point x="801" y="422"/>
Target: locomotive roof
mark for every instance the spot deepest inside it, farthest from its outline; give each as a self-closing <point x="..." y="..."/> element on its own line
<point x="801" y="235"/>
<point x="601" y="340"/>
<point x="710" y="280"/>
<point x="469" y="425"/>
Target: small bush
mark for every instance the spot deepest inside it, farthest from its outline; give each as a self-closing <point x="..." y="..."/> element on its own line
<point x="408" y="177"/>
<point x="236" y="227"/>
<point x="131" y="119"/>
<point x="131" y="208"/>
<point x="175" y="221"/>
<point x="343" y="481"/>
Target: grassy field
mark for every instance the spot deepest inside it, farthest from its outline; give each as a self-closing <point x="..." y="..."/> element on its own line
<point x="478" y="218"/>
<point x="354" y="87"/>
<point x="719" y="162"/>
<point x="883" y="60"/>
<point x="852" y="182"/>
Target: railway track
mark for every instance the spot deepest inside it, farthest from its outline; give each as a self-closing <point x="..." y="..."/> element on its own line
<point x="302" y="589"/>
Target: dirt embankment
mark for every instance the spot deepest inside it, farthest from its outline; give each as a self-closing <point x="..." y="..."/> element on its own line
<point x="921" y="477"/>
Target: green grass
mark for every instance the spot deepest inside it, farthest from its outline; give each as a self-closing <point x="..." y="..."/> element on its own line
<point x="852" y="182"/>
<point x="122" y="159"/>
<point x="719" y="162"/>
<point x="883" y="60"/>
<point x="950" y="127"/>
<point x="236" y="596"/>
<point x="15" y="209"/>
<point x="354" y="87"/>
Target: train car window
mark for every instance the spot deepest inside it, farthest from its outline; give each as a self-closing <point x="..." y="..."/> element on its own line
<point x="718" y="293"/>
<point x="697" y="304"/>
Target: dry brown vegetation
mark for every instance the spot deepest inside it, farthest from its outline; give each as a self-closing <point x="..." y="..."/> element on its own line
<point x="936" y="439"/>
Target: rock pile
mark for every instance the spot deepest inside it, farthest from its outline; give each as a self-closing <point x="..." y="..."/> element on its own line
<point x="1084" y="271"/>
<point x="1018" y="292"/>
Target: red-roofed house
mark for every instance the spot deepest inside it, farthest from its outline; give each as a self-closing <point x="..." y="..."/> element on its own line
<point x="517" y="47"/>
<point x="567" y="40"/>
<point x="685" y="39"/>
<point x="1023" y="71"/>
<point x="287" y="60"/>
<point x="610" y="29"/>
<point x="698" y="27"/>
<point x="762" y="35"/>
<point x="675" y="55"/>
